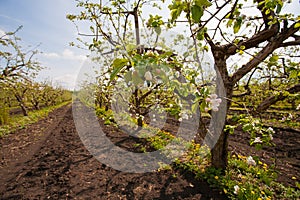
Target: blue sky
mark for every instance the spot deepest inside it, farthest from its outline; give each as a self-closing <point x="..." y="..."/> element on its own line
<point x="44" y="21"/>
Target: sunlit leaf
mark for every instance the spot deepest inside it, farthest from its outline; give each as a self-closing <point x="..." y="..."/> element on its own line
<point x="237" y="25"/>
<point x="297" y="25"/>
<point x="204" y="3"/>
<point x="197" y="13"/>
<point x="118" y="65"/>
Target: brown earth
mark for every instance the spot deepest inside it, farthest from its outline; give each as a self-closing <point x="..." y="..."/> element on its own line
<point x="47" y="160"/>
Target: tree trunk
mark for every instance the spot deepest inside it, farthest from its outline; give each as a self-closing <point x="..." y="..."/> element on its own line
<point x="36" y="105"/>
<point x="224" y="89"/>
<point x="24" y="109"/>
<point x="140" y="122"/>
<point x="219" y="151"/>
<point x="20" y="100"/>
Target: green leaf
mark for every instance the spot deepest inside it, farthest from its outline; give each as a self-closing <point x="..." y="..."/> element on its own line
<point x="206" y="48"/>
<point x="195" y="106"/>
<point x="119" y="62"/>
<point x="278" y="8"/>
<point x="274" y="58"/>
<point x="128" y="76"/>
<point x="71" y="17"/>
<point x="136" y="79"/>
<point x="237" y="25"/>
<point x="294" y="74"/>
<point x="229" y="23"/>
<point x="202" y="106"/>
<point x="118" y="65"/>
<point x="130" y="47"/>
<point x="297" y="25"/>
<point x="247" y="127"/>
<point x="200" y="34"/>
<point x="176" y="9"/>
<point x="204" y="3"/>
<point x="92" y="29"/>
<point x="197" y="13"/>
<point x="157" y="30"/>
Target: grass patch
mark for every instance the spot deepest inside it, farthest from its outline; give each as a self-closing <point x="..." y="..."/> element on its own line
<point x="19" y="122"/>
<point x="281" y="124"/>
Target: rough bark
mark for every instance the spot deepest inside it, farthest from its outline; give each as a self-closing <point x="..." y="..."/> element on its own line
<point x="224" y="90"/>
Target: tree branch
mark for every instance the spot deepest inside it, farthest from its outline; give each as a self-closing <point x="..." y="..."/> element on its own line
<point x="275" y="98"/>
<point x="273" y="44"/>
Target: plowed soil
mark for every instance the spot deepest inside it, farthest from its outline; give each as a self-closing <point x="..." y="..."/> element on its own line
<point x="47" y="160"/>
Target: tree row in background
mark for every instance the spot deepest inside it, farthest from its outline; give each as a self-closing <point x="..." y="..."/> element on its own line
<point x="19" y="91"/>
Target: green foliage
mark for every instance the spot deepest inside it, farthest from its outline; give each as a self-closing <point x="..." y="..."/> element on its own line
<point x="118" y="65"/>
<point x="20" y="122"/>
<point x="258" y="133"/>
<point x="197" y="13"/>
<point x="155" y="22"/>
<point x="107" y="116"/>
<point x="4" y="114"/>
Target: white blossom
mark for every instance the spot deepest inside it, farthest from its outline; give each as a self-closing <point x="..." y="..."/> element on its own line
<point x="207" y="99"/>
<point x="148" y="76"/>
<point x="180" y="119"/>
<point x="214" y="108"/>
<point x="270" y="130"/>
<point x="271" y="136"/>
<point x="236" y="189"/>
<point x="251" y="161"/>
<point x="298" y="107"/>
<point x="257" y="140"/>
<point x="185" y="116"/>
<point x="214" y="101"/>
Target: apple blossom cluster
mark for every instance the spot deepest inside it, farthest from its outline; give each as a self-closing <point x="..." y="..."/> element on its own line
<point x="236" y="189"/>
<point x="251" y="161"/>
<point x="214" y="102"/>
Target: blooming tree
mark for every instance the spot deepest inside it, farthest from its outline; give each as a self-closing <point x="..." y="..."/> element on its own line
<point x="246" y="39"/>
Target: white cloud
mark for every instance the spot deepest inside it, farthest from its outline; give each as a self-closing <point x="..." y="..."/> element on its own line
<point x="67" y="54"/>
<point x="51" y="55"/>
<point x="66" y="81"/>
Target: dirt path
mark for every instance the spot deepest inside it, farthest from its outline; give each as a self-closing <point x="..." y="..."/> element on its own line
<point x="47" y="160"/>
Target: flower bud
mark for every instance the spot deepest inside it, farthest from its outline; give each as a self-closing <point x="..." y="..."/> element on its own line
<point x="148" y="76"/>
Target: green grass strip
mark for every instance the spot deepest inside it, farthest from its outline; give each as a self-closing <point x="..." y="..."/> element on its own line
<point x="20" y="122"/>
